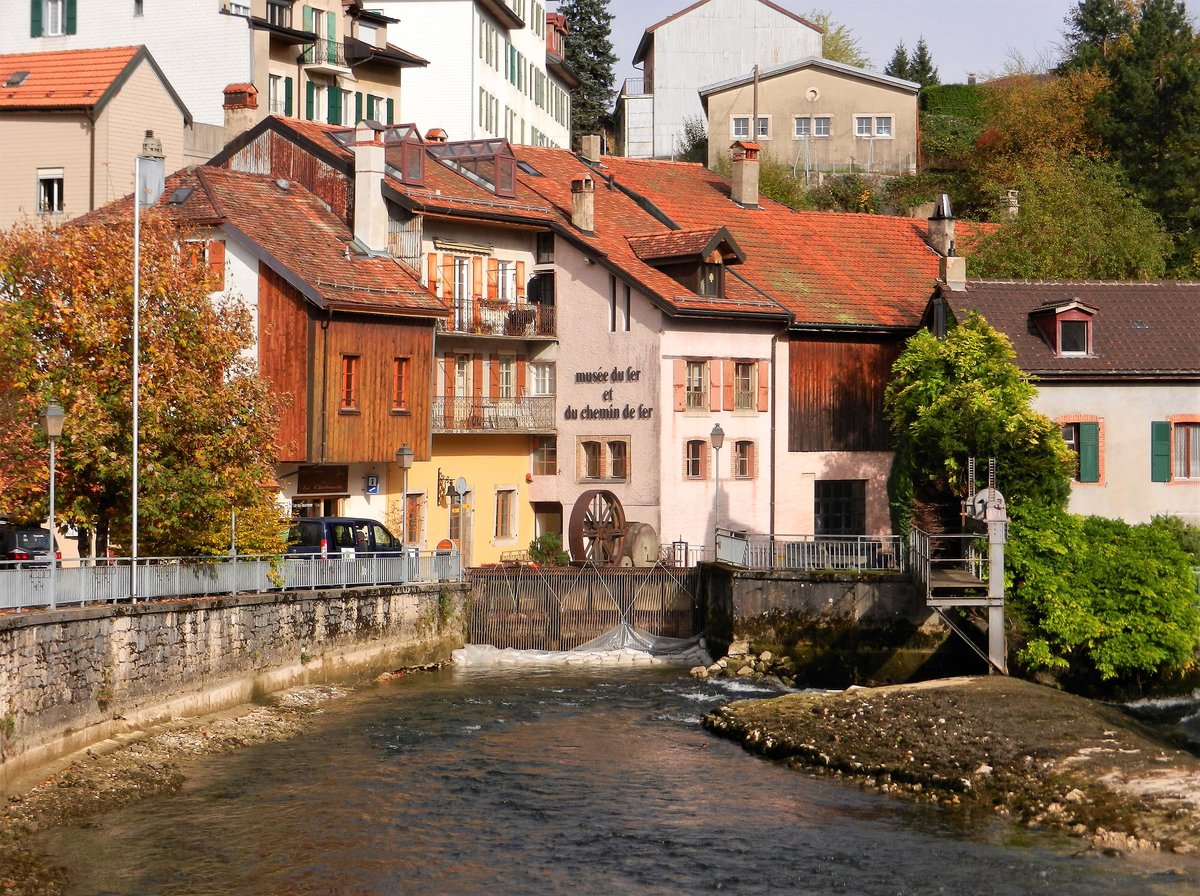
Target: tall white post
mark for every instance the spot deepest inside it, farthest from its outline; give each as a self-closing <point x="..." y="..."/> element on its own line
<point x="53" y="546"/>
<point x="137" y="303"/>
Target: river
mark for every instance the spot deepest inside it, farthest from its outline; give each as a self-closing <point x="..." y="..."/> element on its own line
<point x="545" y="781"/>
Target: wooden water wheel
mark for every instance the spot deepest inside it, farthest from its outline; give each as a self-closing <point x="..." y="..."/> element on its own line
<point x="597" y="529"/>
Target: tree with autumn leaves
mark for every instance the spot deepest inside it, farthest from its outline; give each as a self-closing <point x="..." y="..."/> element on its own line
<point x="207" y="420"/>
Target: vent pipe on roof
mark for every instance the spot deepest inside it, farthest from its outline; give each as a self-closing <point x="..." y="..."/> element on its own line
<point x="744" y="187"/>
<point x="941" y="227"/>
<point x="370" y="210"/>
<point x="583" y="203"/>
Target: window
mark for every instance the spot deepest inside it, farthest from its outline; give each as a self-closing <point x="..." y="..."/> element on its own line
<point x="803" y="127"/>
<point x="872" y="126"/>
<point x="591" y="460"/>
<point x="400" y="385"/>
<point x="695" y="457"/>
<point x="279" y="12"/>
<point x="1073" y="337"/>
<point x="506" y="376"/>
<point x="239" y="9"/>
<point x="349" y="383"/>
<point x="505" y="501"/>
<point x="862" y="126"/>
<point x="841" y="507"/>
<point x="763" y="130"/>
<point x="541" y="378"/>
<point x="50" y="191"/>
<point x="745" y="392"/>
<point x="696" y="385"/>
<point x="821" y="127"/>
<point x="618" y="459"/>
<point x="744" y="460"/>
<point x="414" y="512"/>
<point x="1083" y="438"/>
<point x="275" y="94"/>
<point x="506" y="281"/>
<point x="1186" y="439"/>
<point x="741" y="127"/>
<point x="55" y="17"/>
<point x="545" y="456"/>
<point x="883" y="125"/>
<point x="462" y="277"/>
<point x="711" y="281"/>
<point x="137" y="7"/>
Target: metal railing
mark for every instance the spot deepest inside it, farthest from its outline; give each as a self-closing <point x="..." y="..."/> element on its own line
<point x="324" y="52"/>
<point x="931" y="555"/>
<point x="848" y="553"/>
<point x="493" y="317"/>
<point x="105" y="581"/>
<point x="533" y="413"/>
<point x="636" y="87"/>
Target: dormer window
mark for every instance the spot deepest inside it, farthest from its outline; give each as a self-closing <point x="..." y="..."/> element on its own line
<point x="695" y="259"/>
<point x="712" y="279"/>
<point x="1066" y="326"/>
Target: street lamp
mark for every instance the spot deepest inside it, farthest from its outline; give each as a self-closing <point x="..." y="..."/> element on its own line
<point x="404" y="457"/>
<point x="716" y="438"/>
<point x="148" y="181"/>
<point x="52" y="425"/>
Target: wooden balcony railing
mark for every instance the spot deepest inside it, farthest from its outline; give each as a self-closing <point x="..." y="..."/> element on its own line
<point x="533" y="413"/>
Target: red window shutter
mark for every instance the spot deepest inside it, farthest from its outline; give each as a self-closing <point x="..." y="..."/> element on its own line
<point x="493" y="377"/>
<point x="477" y="276"/>
<point x="448" y="395"/>
<point x="431" y="271"/>
<point x="216" y="261"/>
<point x="477" y="376"/>
<point x="679" y="369"/>
<point x="714" y="386"/>
<point x="493" y="279"/>
<point x="520" y="279"/>
<point x="727" y="376"/>
<point x="764" y="385"/>
<point x="522" y="364"/>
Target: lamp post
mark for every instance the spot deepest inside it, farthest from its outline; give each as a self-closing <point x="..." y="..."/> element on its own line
<point x="404" y="457"/>
<point x="148" y="179"/>
<point x="51" y="420"/>
<point x="716" y="438"/>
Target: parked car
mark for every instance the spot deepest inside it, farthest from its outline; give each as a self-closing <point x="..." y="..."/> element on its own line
<point x="333" y="536"/>
<point x="24" y="546"/>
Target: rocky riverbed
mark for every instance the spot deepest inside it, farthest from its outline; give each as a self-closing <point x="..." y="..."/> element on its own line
<point x="1040" y="756"/>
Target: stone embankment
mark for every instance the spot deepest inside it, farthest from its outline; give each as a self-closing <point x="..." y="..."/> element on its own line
<point x="1039" y="756"/>
<point x="739" y="662"/>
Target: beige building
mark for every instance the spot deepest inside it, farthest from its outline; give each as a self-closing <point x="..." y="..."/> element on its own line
<point x="71" y="124"/>
<point x="817" y="116"/>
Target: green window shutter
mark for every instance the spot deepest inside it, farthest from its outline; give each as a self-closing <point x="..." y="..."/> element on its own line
<point x="287" y="97"/>
<point x="310" y="100"/>
<point x="370" y="107"/>
<point x="391" y="111"/>
<point x="35" y="18"/>
<point x="70" y="23"/>
<point x="357" y="106"/>
<point x="308" y="18"/>
<point x="1160" y="451"/>
<point x="335" y="106"/>
<point x="331" y="28"/>
<point x="1089" y="452"/>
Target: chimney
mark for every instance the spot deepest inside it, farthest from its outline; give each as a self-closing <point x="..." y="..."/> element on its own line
<point x="589" y="148"/>
<point x="583" y="203"/>
<point x="952" y="271"/>
<point x="370" y="211"/>
<point x="241" y="109"/>
<point x="941" y="227"/>
<point x="971" y="79"/>
<point x="1012" y="202"/>
<point x="436" y="135"/>
<point x="744" y="189"/>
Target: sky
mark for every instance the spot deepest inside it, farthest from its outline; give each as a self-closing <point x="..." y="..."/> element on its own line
<point x="964" y="36"/>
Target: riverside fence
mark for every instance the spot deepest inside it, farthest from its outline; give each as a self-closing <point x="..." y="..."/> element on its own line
<point x="111" y="580"/>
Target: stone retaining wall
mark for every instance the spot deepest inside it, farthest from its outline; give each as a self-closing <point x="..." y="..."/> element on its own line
<point x="73" y="677"/>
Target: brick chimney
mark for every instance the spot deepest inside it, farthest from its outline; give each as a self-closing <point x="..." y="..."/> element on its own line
<point x="952" y="268"/>
<point x="241" y="109"/>
<point x="589" y="148"/>
<point x="583" y="203"/>
<point x="744" y="189"/>
<point x="370" y="211"/>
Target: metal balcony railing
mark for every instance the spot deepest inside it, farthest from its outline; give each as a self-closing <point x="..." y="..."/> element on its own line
<point x="854" y="553"/>
<point x="324" y="52"/>
<point x="636" y="87"/>
<point x="528" y="414"/>
<point x="491" y="317"/>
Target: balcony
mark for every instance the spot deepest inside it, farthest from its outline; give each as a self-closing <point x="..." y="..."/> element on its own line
<point x="531" y="414"/>
<point x="490" y="317"/>
<point x="325" y="55"/>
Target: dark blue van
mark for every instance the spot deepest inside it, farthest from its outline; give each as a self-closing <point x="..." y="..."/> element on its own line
<point x="338" y="536"/>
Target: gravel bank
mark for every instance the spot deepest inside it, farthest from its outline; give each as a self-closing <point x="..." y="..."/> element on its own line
<point x="1043" y="757"/>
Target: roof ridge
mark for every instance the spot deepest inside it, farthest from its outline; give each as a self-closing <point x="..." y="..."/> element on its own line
<point x="202" y="177"/>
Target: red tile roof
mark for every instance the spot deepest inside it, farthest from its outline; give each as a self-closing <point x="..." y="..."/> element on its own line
<point x="70" y="79"/>
<point x="1139" y="329"/>
<point x="681" y="244"/>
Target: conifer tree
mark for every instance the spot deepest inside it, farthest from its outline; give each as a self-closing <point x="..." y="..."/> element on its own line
<point x="1095" y="28"/>
<point x="921" y="68"/>
<point x="838" y="42"/>
<point x="590" y="55"/>
<point x="900" y="66"/>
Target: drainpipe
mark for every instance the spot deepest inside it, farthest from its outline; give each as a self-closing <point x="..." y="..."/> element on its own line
<point x="324" y="382"/>
<point x="771" y="466"/>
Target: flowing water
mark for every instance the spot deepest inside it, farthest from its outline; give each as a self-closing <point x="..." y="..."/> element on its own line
<point x="553" y="782"/>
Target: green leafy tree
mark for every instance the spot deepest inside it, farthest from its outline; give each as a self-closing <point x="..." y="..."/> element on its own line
<point x="899" y="66"/>
<point x="693" y="145"/>
<point x="207" y="421"/>
<point x="921" y="68"/>
<point x="1095" y="28"/>
<point x="547" y="550"/>
<point x="1099" y="602"/>
<point x="838" y="43"/>
<point x="1150" y="119"/>
<point x="590" y="55"/>
<point x="1075" y="221"/>
<point x="959" y="397"/>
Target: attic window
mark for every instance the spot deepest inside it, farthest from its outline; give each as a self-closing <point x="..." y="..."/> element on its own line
<point x="1073" y="337"/>
<point x="489" y="163"/>
<point x="180" y="196"/>
<point x="16" y="79"/>
<point x="1067" y="327"/>
<point x="529" y="169"/>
